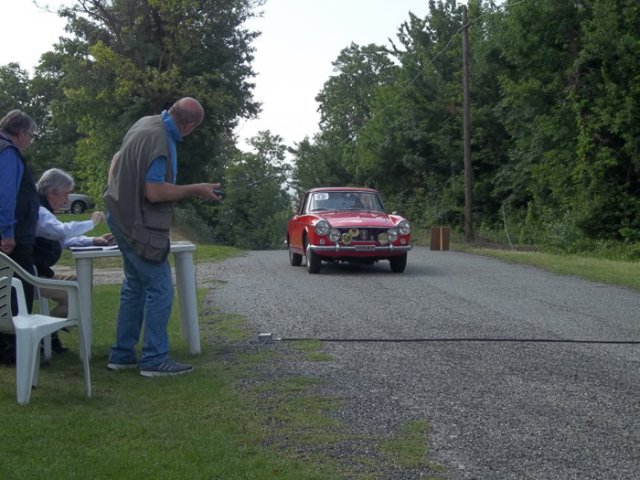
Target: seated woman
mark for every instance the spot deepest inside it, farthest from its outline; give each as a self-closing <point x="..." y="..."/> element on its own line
<point x="52" y="236"/>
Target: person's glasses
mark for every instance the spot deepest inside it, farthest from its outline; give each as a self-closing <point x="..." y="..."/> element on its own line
<point x="32" y="135"/>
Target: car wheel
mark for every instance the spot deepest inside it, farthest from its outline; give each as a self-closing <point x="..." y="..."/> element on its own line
<point x="78" y="207"/>
<point x="399" y="263"/>
<point x="313" y="261"/>
<point x="295" y="259"/>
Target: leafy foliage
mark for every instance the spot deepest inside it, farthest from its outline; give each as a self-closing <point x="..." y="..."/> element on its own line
<point x="127" y="59"/>
<point x="257" y="206"/>
<point x="555" y="92"/>
<point x="14" y="85"/>
<point x="554" y="133"/>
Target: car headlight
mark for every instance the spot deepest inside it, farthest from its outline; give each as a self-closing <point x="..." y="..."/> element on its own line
<point x="393" y="234"/>
<point x="334" y="235"/>
<point x="322" y="228"/>
<point x="404" y="227"/>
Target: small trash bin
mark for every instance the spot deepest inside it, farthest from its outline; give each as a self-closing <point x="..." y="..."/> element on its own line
<point x="440" y="238"/>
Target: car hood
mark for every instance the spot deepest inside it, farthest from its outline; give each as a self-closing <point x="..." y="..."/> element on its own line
<point x="358" y="219"/>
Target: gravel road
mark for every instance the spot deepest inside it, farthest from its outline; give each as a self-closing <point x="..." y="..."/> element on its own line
<point x="517" y="409"/>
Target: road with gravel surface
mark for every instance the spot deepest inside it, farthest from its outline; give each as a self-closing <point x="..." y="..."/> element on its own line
<point x="508" y="363"/>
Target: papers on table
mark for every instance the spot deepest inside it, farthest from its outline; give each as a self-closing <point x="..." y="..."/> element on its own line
<point x="93" y="247"/>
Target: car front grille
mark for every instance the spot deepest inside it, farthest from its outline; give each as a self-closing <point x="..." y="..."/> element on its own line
<point x="364" y="234"/>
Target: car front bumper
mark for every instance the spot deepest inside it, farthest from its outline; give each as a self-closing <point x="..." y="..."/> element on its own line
<point x="364" y="250"/>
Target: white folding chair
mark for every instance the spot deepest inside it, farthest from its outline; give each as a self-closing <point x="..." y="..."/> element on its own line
<point x="30" y="329"/>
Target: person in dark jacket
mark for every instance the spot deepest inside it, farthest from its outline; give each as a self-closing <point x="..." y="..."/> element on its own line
<point x="19" y="204"/>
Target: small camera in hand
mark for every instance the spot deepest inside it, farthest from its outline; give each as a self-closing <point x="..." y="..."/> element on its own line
<point x="219" y="193"/>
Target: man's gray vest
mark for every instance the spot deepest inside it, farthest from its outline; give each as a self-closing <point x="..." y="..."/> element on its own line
<point x="145" y="225"/>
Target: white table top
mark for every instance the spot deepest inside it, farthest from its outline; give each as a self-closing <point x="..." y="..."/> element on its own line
<point x="176" y="247"/>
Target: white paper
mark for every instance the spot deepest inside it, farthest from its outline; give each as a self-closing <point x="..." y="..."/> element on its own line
<point x="93" y="247"/>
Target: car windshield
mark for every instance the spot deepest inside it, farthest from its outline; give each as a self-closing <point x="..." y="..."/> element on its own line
<point x="320" y="201"/>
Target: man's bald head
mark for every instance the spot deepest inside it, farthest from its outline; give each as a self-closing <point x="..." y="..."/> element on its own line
<point x="188" y="114"/>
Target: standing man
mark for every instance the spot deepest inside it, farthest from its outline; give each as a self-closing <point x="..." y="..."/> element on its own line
<point x="18" y="205"/>
<point x="19" y="201"/>
<point x="139" y="201"/>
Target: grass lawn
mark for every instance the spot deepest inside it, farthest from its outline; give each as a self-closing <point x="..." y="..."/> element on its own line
<point x="225" y="420"/>
<point x="612" y="272"/>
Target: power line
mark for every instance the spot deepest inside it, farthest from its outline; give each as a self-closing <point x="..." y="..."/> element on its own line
<point x="265" y="338"/>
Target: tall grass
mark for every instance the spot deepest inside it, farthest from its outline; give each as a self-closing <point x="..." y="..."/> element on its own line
<point x="193" y="426"/>
<point x="225" y="420"/>
<point x="612" y="272"/>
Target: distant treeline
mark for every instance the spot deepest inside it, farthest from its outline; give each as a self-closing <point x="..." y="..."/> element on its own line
<point x="555" y="120"/>
<point x="555" y="128"/>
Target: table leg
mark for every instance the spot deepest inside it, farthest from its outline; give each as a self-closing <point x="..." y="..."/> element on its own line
<point x="84" y="272"/>
<point x="186" y="284"/>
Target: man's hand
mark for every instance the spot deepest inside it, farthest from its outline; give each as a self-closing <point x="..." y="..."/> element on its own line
<point x="103" y="240"/>
<point x="207" y="191"/>
<point x="7" y="245"/>
<point x="167" y="192"/>
<point x="97" y="217"/>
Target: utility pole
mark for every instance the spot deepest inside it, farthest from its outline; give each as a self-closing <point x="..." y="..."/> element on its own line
<point x="468" y="168"/>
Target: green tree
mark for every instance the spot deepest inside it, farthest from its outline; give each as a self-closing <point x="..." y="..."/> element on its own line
<point x="554" y="91"/>
<point x="606" y="104"/>
<point x="14" y="88"/>
<point x="345" y="99"/>
<point x="412" y="148"/>
<point x="133" y="58"/>
<point x="255" y="211"/>
<point x="345" y="103"/>
<point x="17" y="90"/>
<point x="539" y="41"/>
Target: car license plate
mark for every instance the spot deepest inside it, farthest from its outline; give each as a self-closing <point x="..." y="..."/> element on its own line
<point x="365" y="248"/>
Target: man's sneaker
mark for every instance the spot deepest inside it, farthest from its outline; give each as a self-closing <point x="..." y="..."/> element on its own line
<point x="168" y="367"/>
<point x="121" y="366"/>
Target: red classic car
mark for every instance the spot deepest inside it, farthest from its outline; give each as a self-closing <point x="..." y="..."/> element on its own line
<point x="345" y="224"/>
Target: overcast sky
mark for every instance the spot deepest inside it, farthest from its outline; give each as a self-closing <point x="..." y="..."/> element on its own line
<point x="300" y="39"/>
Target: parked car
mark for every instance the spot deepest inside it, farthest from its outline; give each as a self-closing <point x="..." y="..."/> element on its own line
<point x="346" y="224"/>
<point x="78" y="203"/>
